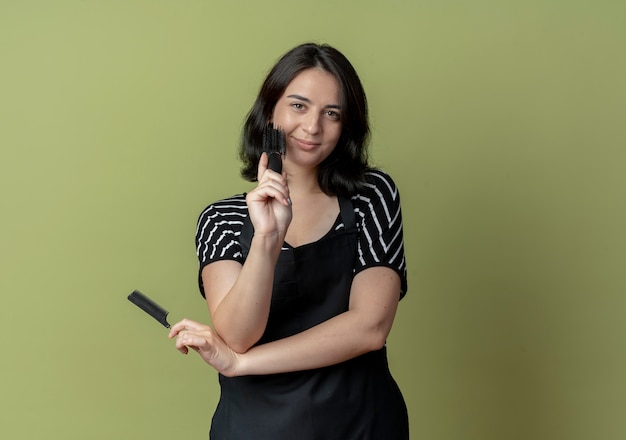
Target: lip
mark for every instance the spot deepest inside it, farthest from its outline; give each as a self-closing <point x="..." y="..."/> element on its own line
<point x="306" y="145"/>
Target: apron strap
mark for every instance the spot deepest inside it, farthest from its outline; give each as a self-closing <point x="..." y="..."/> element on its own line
<point x="347" y="214"/>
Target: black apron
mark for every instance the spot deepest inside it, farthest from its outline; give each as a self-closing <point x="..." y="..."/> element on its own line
<point x="357" y="399"/>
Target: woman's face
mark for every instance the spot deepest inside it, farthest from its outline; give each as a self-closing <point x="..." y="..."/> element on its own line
<point x="309" y="112"/>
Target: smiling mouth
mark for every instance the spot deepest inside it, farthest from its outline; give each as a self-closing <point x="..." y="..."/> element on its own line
<point x="306" y="144"/>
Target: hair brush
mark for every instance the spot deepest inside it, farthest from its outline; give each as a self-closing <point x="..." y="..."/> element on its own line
<point x="275" y="145"/>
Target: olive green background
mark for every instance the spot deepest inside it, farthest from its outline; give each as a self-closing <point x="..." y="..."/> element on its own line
<point x="501" y="122"/>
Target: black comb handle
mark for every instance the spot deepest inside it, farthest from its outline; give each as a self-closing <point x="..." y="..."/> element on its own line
<point x="150" y="307"/>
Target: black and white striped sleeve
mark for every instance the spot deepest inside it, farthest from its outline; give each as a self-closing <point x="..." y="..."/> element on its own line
<point x="218" y="230"/>
<point x="379" y="218"/>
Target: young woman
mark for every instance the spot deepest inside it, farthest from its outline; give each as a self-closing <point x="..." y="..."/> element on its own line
<point x="303" y="274"/>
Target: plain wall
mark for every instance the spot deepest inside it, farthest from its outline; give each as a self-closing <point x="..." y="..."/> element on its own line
<point x="501" y="122"/>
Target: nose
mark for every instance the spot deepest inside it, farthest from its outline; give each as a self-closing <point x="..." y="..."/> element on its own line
<point x="311" y="123"/>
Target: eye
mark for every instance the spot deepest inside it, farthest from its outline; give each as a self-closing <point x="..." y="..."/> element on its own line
<point x="335" y="116"/>
<point x="297" y="106"/>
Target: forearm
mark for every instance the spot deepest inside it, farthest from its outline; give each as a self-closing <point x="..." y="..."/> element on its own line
<point x="339" y="339"/>
<point x="363" y="328"/>
<point x="241" y="316"/>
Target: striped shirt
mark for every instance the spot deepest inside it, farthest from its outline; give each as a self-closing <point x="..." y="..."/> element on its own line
<point x="379" y="222"/>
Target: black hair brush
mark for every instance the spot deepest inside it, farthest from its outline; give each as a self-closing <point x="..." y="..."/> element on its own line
<point x="275" y="145"/>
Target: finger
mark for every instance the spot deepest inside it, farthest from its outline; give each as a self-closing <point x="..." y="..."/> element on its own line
<point x="176" y="329"/>
<point x="263" y="168"/>
<point x="194" y="341"/>
<point x="263" y="160"/>
<point x="272" y="185"/>
<point x="269" y="191"/>
<point x="185" y="324"/>
<point x="186" y="340"/>
<point x="180" y="346"/>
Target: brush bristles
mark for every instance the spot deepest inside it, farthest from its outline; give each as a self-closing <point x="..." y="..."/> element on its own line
<point x="274" y="140"/>
<point x="275" y="145"/>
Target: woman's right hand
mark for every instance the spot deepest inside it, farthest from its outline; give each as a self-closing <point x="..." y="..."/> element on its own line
<point x="207" y="343"/>
<point x="269" y="204"/>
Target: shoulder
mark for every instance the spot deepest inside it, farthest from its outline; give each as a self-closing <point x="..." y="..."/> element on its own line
<point x="218" y="230"/>
<point x="233" y="208"/>
<point x="379" y="194"/>
<point x="225" y="214"/>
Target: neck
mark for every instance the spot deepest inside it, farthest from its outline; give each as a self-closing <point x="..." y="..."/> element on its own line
<point x="303" y="182"/>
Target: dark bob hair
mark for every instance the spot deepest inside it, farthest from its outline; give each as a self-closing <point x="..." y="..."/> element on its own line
<point x="343" y="171"/>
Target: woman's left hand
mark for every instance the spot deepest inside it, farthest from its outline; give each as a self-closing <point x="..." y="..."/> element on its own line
<point x="207" y="343"/>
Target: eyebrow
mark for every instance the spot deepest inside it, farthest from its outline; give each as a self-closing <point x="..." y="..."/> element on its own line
<point x="308" y="101"/>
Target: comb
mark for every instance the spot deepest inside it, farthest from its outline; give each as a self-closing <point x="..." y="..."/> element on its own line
<point x="150" y="307"/>
<point x="275" y="145"/>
